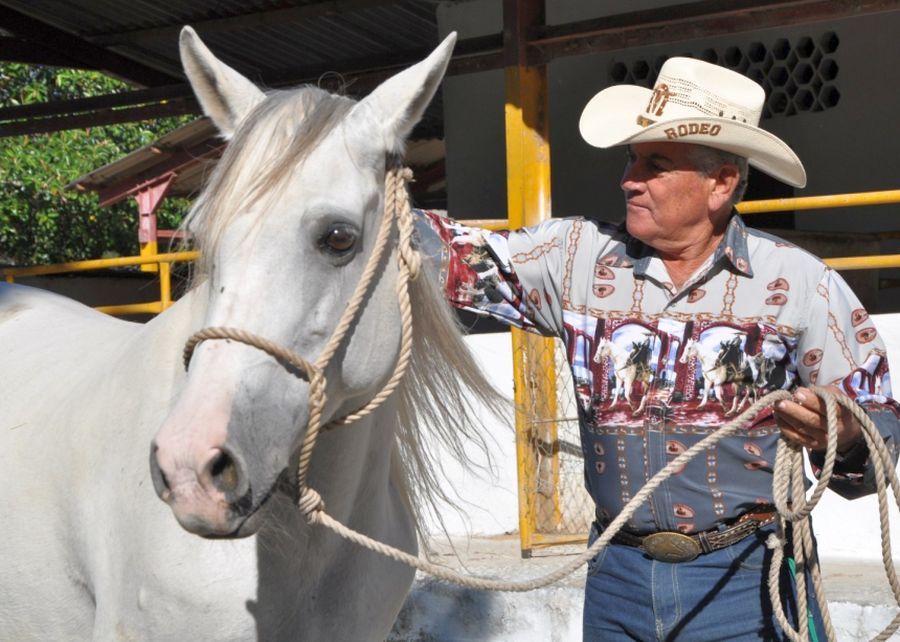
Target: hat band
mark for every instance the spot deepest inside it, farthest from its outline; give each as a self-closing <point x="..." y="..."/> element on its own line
<point x="643" y="121"/>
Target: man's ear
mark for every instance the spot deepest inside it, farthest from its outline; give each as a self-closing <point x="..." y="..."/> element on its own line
<point x="725" y="181"/>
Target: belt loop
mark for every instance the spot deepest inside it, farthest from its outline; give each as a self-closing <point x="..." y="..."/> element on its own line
<point x="704" y="542"/>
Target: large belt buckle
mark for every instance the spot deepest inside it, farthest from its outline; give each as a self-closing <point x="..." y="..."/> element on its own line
<point x="671" y="547"/>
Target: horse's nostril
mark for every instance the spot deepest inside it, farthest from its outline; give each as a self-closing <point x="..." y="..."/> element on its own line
<point x="160" y="482"/>
<point x="224" y="472"/>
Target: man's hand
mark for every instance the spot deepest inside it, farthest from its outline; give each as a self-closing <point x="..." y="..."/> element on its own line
<point x="803" y="421"/>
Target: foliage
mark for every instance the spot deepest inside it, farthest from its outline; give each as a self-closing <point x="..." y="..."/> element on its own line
<point x="40" y="220"/>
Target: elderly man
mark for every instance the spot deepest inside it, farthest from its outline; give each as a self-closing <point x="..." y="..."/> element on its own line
<point x="689" y="314"/>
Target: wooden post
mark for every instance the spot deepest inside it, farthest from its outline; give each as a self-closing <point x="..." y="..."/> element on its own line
<point x="148" y="199"/>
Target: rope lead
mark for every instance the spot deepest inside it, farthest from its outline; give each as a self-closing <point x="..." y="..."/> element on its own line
<point x="788" y="478"/>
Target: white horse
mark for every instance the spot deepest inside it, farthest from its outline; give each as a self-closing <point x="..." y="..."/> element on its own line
<point x="717" y="372"/>
<point x="628" y="367"/>
<point x="286" y="225"/>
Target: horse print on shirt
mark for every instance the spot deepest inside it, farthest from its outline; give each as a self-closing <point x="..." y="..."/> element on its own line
<point x="692" y="373"/>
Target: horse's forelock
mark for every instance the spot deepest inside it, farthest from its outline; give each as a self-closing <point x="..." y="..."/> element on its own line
<point x="270" y="142"/>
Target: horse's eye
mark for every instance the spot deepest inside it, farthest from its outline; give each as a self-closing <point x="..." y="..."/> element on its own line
<point x="339" y="239"/>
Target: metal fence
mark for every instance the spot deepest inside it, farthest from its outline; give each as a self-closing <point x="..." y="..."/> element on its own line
<point x="554" y="507"/>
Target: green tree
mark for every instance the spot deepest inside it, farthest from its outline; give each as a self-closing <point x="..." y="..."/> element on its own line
<point x="40" y="220"/>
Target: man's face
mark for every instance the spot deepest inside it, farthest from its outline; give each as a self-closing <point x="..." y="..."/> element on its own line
<point x="667" y="201"/>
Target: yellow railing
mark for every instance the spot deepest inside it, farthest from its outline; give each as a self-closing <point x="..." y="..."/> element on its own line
<point x="885" y="197"/>
<point x="164" y="261"/>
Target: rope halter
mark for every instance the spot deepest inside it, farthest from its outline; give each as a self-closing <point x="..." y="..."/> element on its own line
<point x="396" y="208"/>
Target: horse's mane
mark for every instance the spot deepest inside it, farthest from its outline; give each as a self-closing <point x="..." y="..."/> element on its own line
<point x="444" y="390"/>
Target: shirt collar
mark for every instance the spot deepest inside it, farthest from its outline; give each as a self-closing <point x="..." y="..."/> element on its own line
<point x="733" y="247"/>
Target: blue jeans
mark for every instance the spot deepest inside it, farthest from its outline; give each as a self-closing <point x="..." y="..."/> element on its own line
<point x="718" y="596"/>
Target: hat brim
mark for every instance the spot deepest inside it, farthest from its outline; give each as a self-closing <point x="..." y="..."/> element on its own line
<point x="610" y="119"/>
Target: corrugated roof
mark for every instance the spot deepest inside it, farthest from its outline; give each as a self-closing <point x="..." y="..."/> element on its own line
<point x="188" y="151"/>
<point x="256" y="37"/>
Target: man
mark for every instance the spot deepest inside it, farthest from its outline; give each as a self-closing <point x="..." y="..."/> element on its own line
<point x="722" y="313"/>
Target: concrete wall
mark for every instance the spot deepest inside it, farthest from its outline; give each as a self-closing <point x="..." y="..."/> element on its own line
<point x="847" y="148"/>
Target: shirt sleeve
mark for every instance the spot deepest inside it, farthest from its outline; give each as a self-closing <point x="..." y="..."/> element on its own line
<point x="841" y="346"/>
<point x="513" y="277"/>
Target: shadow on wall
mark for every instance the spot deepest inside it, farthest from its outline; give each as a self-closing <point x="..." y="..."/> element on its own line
<point x="436" y="611"/>
<point x="108" y="287"/>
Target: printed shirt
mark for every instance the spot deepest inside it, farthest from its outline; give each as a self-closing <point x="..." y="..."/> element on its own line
<point x="657" y="368"/>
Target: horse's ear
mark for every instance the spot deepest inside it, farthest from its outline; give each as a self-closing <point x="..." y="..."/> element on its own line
<point x="398" y="103"/>
<point x="225" y="95"/>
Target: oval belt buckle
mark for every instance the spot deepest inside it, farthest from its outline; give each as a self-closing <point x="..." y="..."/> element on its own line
<point x="671" y="547"/>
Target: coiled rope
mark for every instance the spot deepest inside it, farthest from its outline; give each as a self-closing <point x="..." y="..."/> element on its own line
<point x="788" y="482"/>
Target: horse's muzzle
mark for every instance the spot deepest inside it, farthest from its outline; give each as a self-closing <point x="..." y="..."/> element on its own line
<point x="212" y="500"/>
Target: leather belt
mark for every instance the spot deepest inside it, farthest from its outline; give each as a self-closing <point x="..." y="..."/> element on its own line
<point x="674" y="547"/>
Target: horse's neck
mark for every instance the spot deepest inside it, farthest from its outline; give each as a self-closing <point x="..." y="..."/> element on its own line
<point x="171" y="329"/>
<point x="153" y="355"/>
<point x="354" y="466"/>
<point x="707" y="359"/>
<point x="618" y="355"/>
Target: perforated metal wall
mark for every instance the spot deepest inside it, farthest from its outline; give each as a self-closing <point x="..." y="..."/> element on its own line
<point x="799" y="75"/>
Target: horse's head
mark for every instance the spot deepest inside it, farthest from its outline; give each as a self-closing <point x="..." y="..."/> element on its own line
<point x="286" y="225"/>
<point x="604" y="349"/>
<point x="690" y="350"/>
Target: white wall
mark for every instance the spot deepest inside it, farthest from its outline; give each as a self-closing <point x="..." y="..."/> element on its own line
<point x="844" y="529"/>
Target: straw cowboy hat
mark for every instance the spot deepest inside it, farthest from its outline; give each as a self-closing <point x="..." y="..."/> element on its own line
<point x="692" y="102"/>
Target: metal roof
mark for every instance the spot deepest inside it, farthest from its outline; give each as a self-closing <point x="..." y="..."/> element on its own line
<point x="259" y="36"/>
<point x="188" y="152"/>
<point x="273" y="43"/>
<point x="284" y="42"/>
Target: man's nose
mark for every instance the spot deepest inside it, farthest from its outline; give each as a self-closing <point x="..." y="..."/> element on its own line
<point x="630" y="182"/>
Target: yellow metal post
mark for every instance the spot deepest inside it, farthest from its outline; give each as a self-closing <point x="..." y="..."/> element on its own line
<point x="165" y="285"/>
<point x="528" y="203"/>
<point x="150" y="248"/>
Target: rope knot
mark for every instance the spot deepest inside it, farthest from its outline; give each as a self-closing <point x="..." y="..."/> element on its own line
<point x="413" y="261"/>
<point x="310" y="503"/>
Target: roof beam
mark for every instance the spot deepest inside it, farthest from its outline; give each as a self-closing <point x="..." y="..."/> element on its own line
<point x="80" y="51"/>
<point x="707" y="18"/>
<point x="24" y="51"/>
<point x="690" y="21"/>
<point x="249" y="20"/>
<point x="81" y="105"/>
<point x="361" y="76"/>
<point x="98" y="118"/>
<point x="177" y="161"/>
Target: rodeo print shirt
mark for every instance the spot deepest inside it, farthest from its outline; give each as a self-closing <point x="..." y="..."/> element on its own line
<point x="656" y="369"/>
